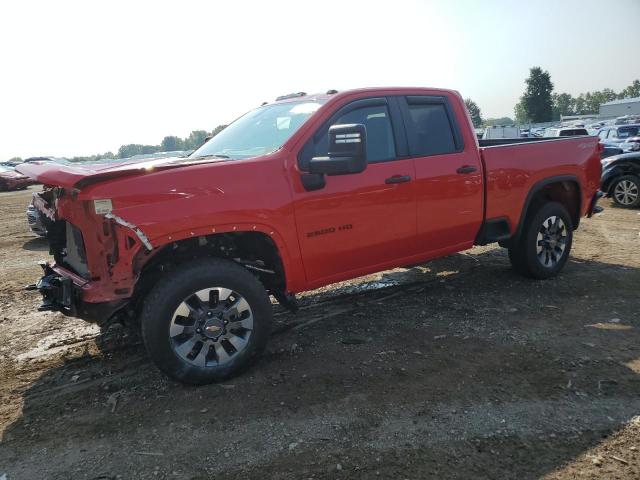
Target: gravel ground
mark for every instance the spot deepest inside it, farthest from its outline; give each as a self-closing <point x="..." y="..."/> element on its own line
<point x="455" y="369"/>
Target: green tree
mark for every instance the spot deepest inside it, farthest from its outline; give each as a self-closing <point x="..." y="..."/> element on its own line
<point x="608" y="95"/>
<point x="631" y="91"/>
<point x="579" y="104"/>
<point x="563" y="104"/>
<point x="148" y="149"/>
<point x="126" y="151"/>
<point x="536" y="100"/>
<point x="498" y="121"/>
<point x="171" y="143"/>
<point x="474" y="112"/>
<point x="217" y="130"/>
<point x="520" y="112"/>
<point x="93" y="158"/>
<point x="195" y="139"/>
<point x="593" y="100"/>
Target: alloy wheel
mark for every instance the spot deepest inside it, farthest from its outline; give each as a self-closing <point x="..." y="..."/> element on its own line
<point x="626" y="192"/>
<point x="211" y="327"/>
<point x="551" y="241"/>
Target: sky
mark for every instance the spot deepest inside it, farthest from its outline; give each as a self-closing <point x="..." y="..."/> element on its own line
<point x="80" y="78"/>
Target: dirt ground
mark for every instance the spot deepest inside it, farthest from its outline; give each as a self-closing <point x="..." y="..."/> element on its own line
<point x="455" y="369"/>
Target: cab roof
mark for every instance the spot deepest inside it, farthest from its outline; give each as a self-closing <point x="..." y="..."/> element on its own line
<point x="298" y="96"/>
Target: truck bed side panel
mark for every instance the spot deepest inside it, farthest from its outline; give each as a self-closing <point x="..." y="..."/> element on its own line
<point x="512" y="171"/>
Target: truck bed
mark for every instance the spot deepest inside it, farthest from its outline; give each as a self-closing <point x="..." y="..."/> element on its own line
<point x="514" y="168"/>
<point x="495" y="142"/>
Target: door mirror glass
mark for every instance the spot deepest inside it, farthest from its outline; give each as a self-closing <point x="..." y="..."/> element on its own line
<point x="347" y="151"/>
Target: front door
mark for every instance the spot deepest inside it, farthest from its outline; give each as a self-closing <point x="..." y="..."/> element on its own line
<point x="359" y="222"/>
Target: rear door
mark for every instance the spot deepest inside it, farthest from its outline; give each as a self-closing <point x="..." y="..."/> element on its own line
<point x="359" y="222"/>
<point x="449" y="193"/>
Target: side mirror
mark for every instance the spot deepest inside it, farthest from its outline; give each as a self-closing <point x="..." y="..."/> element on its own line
<point x="347" y="151"/>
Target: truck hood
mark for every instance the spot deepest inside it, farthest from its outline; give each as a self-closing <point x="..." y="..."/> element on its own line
<point x="83" y="174"/>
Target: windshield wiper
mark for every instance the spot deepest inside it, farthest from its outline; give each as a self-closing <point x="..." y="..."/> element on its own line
<point x="213" y="155"/>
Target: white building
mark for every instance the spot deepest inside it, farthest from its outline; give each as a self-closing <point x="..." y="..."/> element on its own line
<point x="618" y="108"/>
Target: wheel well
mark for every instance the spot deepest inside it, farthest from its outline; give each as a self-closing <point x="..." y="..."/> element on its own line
<point x="256" y="251"/>
<point x="565" y="192"/>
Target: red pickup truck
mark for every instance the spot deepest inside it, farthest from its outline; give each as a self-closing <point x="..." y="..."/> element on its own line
<point x="296" y="194"/>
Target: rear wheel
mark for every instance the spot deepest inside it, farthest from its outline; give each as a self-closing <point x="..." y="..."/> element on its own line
<point x="626" y="191"/>
<point x="206" y="321"/>
<point x="543" y="248"/>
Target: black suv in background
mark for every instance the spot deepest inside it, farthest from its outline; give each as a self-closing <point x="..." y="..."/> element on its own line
<point x="621" y="179"/>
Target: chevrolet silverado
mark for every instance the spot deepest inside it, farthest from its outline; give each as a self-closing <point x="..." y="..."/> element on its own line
<point x="296" y="194"/>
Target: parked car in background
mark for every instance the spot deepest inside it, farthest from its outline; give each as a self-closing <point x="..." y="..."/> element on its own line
<point x="46" y="159"/>
<point x="12" y="180"/>
<point x="630" y="145"/>
<point x="501" y="131"/>
<point x="627" y="120"/>
<point x="621" y="179"/>
<point x="565" y="132"/>
<point x="626" y="137"/>
<point x="10" y="163"/>
<point x="609" y="151"/>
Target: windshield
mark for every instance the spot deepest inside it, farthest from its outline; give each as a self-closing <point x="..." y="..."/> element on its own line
<point x="261" y="131"/>
<point x="626" y="132"/>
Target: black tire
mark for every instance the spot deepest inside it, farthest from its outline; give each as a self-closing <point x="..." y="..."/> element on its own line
<point x="177" y="288"/>
<point x="626" y="191"/>
<point x="524" y="254"/>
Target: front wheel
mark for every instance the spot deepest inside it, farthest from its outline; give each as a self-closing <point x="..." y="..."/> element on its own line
<point x="206" y="321"/>
<point x="543" y="248"/>
<point x="626" y="191"/>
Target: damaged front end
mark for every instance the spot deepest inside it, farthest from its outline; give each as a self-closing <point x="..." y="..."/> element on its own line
<point x="92" y="280"/>
<point x="56" y="290"/>
<point x="62" y="292"/>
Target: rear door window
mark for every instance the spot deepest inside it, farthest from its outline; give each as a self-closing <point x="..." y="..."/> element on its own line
<point x="431" y="128"/>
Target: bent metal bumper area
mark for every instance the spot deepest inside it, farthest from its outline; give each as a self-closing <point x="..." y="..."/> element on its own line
<point x="57" y="292"/>
<point x="62" y="291"/>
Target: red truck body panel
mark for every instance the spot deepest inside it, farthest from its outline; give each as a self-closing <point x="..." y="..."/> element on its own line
<point x="356" y="224"/>
<point x="513" y="170"/>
